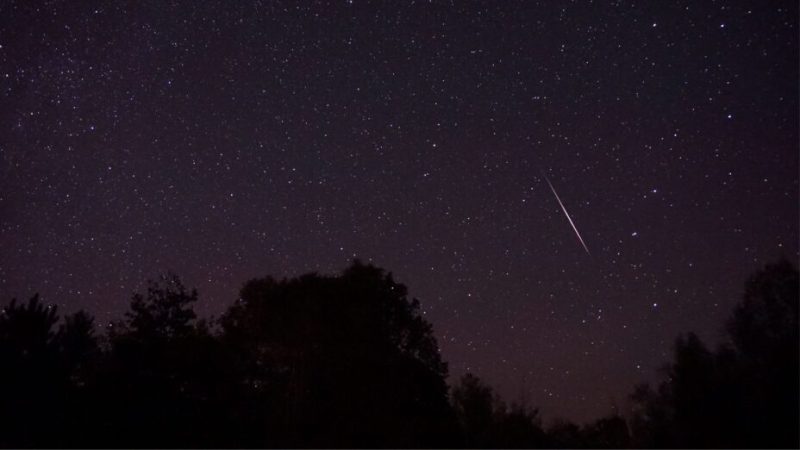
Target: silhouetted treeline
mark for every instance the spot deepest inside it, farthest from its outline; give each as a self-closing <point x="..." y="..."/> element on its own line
<point x="744" y="394"/>
<point x="348" y="361"/>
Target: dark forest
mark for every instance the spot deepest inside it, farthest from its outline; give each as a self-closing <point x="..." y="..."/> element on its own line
<point x="348" y="361"/>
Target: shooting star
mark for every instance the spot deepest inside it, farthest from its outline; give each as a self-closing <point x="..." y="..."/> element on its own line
<point x="567" y="214"/>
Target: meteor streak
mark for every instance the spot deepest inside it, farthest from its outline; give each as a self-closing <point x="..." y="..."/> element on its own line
<point x="566" y="214"/>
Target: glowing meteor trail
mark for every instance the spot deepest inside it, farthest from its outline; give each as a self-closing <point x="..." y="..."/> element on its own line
<point x="567" y="214"/>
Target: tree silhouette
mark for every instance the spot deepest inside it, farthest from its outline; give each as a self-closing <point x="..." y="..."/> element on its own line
<point x="30" y="378"/>
<point x="607" y="432"/>
<point x="565" y="434"/>
<point x="486" y="421"/>
<point x="77" y="343"/>
<point x="740" y="396"/>
<point x="346" y="361"/>
<point x="518" y="426"/>
<point x="764" y="332"/>
<point x="43" y="370"/>
<point x="165" y="312"/>
<point x="349" y="361"/>
<point x="474" y="404"/>
<point x="159" y="381"/>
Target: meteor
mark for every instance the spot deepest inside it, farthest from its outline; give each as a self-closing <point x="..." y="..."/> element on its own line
<point x="567" y="214"/>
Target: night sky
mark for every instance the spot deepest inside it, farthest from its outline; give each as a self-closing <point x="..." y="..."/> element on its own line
<point x="230" y="140"/>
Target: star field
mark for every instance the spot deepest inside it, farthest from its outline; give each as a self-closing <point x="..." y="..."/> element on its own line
<point x="229" y="140"/>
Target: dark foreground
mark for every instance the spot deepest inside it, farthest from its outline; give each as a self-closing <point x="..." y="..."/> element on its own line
<point x="348" y="361"/>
